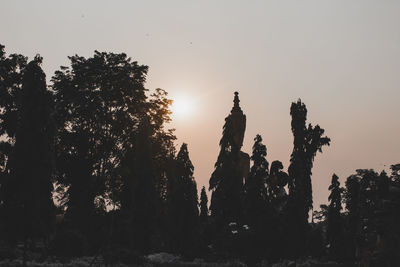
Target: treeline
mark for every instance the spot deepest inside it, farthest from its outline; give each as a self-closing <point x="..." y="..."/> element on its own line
<point x="87" y="167"/>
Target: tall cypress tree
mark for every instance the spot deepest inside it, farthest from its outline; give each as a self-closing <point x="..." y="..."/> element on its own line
<point x="29" y="189"/>
<point x="203" y="204"/>
<point x="256" y="202"/>
<point x="255" y="191"/>
<point x="145" y="200"/>
<point x="335" y="223"/>
<point x="11" y="74"/>
<point x="184" y="203"/>
<point x="226" y="182"/>
<point x="307" y="142"/>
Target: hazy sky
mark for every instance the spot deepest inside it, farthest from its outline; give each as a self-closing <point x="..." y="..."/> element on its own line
<point x="341" y="57"/>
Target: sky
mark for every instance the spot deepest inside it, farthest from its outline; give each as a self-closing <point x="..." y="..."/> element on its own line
<point x="341" y="57"/>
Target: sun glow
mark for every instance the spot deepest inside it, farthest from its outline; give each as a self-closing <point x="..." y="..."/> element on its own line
<point x="182" y="107"/>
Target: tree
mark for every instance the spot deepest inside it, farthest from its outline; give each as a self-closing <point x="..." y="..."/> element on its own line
<point x="226" y="182"/>
<point x="335" y="229"/>
<point x="203" y="204"/>
<point x="112" y="148"/>
<point x="11" y="74"/>
<point x="144" y="201"/>
<point x="100" y="102"/>
<point x="28" y="191"/>
<point x="307" y="142"/>
<point x="352" y="200"/>
<point x="255" y="191"/>
<point x="184" y="203"/>
<point x="276" y="182"/>
<point x="364" y="196"/>
<point x="257" y="206"/>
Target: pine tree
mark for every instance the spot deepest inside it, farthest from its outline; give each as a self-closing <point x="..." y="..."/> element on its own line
<point x="226" y="182"/>
<point x="203" y="204"/>
<point x="255" y="191"/>
<point x="256" y="203"/>
<point x="226" y="198"/>
<point x="184" y="203"/>
<point x="335" y="223"/>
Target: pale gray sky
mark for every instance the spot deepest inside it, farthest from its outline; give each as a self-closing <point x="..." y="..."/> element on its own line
<point x="341" y="57"/>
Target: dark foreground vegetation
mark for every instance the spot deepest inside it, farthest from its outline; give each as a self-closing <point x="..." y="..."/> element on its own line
<point x="89" y="175"/>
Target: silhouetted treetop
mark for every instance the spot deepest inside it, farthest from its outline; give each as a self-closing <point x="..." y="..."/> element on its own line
<point x="203" y="203"/>
<point x="307" y="142"/>
<point x="255" y="190"/>
<point x="231" y="168"/>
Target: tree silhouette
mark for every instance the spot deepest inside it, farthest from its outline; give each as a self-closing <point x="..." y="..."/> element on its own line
<point x="144" y="207"/>
<point x="352" y="200"/>
<point x="203" y="204"/>
<point x="256" y="203"/>
<point x="335" y="223"/>
<point x="11" y="75"/>
<point x="307" y="142"/>
<point x="276" y="182"/>
<point x="226" y="181"/>
<point x="365" y="191"/>
<point x="183" y="209"/>
<point x="28" y="190"/>
<point x="99" y="102"/>
<point x="255" y="191"/>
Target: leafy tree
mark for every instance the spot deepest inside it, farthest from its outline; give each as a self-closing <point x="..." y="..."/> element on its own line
<point x="388" y="218"/>
<point x="162" y="139"/>
<point x="112" y="147"/>
<point x="131" y="185"/>
<point x="352" y="200"/>
<point x="364" y="193"/>
<point x="320" y="215"/>
<point x="335" y="223"/>
<point x="100" y="101"/>
<point x="395" y="175"/>
<point x="11" y="75"/>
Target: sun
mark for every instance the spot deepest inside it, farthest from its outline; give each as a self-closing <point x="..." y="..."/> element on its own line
<point x="183" y="106"/>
